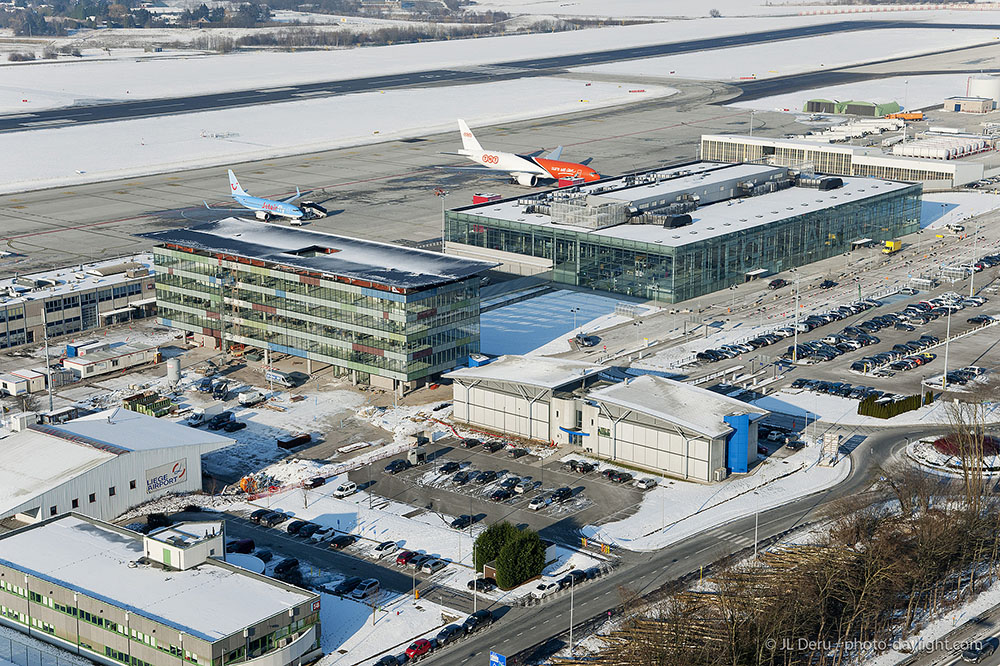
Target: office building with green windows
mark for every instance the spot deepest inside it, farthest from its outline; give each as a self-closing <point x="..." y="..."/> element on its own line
<point x="168" y="598"/>
<point x="386" y="315"/>
<point x="673" y="234"/>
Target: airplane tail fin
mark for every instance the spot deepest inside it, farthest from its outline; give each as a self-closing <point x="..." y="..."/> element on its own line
<point x="468" y="138"/>
<point x="234" y="184"/>
<point x="555" y="154"/>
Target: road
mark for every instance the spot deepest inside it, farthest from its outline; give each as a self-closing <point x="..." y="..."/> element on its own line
<point x="515" y="69"/>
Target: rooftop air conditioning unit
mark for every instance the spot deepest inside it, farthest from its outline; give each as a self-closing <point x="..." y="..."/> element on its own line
<point x="720" y="474"/>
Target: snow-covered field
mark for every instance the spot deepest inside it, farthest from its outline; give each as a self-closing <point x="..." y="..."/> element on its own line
<point x="940" y="209"/>
<point x="675" y="510"/>
<point x="912" y="92"/>
<point x="764" y="61"/>
<point x="186" y="141"/>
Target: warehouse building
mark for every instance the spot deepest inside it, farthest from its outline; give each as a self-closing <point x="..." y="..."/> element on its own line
<point x="839" y="159"/>
<point x="661" y="425"/>
<point x="99" y="465"/>
<point x="119" y="598"/>
<point x="968" y="104"/>
<point x="389" y="316"/>
<point x="676" y="233"/>
<point x="74" y="299"/>
<point x="852" y="107"/>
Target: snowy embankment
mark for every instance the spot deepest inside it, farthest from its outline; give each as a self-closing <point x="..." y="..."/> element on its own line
<point x="807" y="54"/>
<point x="676" y="510"/>
<point x="211" y="138"/>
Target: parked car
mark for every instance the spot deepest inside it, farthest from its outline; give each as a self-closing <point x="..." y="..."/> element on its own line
<point x="461" y="478"/>
<point x="827" y="284"/>
<point x="477" y="620"/>
<point x="501" y="495"/>
<point x="493" y="446"/>
<point x="462" y="522"/>
<point x="563" y="494"/>
<point x="366" y="589"/>
<point x="539" y="502"/>
<point x="517" y="453"/>
<point x="346" y="586"/>
<point x="385" y="548"/>
<point x="586" y="340"/>
<point x="345" y="489"/>
<point x="294" y="526"/>
<point x="419" y="561"/>
<point x="544" y="589"/>
<point x="315" y="482"/>
<point x="449" y="467"/>
<point x="341" y="542"/>
<point x="264" y="555"/>
<point x="286" y="565"/>
<point x="777" y="283"/>
<point x="433" y="566"/>
<point x="486" y="476"/>
<point x="308" y="530"/>
<point x="396" y="466"/>
<point x="470" y="443"/>
<point x="257" y="515"/>
<point x="482" y="584"/>
<point x="274" y="518"/>
<point x="240" y="546"/>
<point x="449" y="633"/>
<point x="978" y="650"/>
<point x="524" y="485"/>
<point x="405" y="557"/>
<point x="418" y="648"/>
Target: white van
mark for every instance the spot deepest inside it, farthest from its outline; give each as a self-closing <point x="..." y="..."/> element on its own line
<point x="251" y="397"/>
<point x="345" y="489"/>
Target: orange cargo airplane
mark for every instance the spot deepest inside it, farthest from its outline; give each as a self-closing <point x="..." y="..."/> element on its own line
<point x="523" y="169"/>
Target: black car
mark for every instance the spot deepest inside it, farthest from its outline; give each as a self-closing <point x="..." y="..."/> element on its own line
<point x="470" y="443"/>
<point x="978" y="650"/>
<point x="387" y="660"/>
<point x="462" y="522"/>
<point x="264" y="555"/>
<point x="346" y="586"/>
<point x="501" y="495"/>
<point x="509" y="482"/>
<point x="244" y="546"/>
<point x="449" y="633"/>
<point x="396" y="466"/>
<point x="307" y="530"/>
<point x="220" y="420"/>
<point x="483" y="618"/>
<point x="621" y="477"/>
<point x="284" y="566"/>
<point x="482" y="584"/>
<point x="233" y="426"/>
<point x="585" y="467"/>
<point x="485" y="477"/>
<point x="562" y="494"/>
<point x="256" y="516"/>
<point x="461" y="477"/>
<point x="586" y="340"/>
<point x="274" y="518"/>
<point x="220" y="390"/>
<point x="449" y="467"/>
<point x="777" y="283"/>
<point x="827" y="284"/>
<point x="315" y="482"/>
<point x="493" y="446"/>
<point x="341" y="542"/>
<point x="578" y="575"/>
<point x="295" y="526"/>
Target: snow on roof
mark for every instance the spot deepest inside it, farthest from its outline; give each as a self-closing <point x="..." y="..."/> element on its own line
<point x="70" y="279"/>
<point x="385" y="263"/>
<point x="209" y="601"/>
<point x="691" y="407"/>
<point x="540" y="371"/>
<point x="35" y="463"/>
<point x="115" y="351"/>
<point x="132" y="431"/>
<point x="187" y="533"/>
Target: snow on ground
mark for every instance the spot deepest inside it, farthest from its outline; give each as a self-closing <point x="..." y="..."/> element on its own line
<point x="939" y="209"/>
<point x="912" y="92"/>
<point x="352" y="633"/>
<point x="808" y="54"/>
<point x="408" y="420"/>
<point x="23" y="650"/>
<point x="923" y="453"/>
<point x="187" y="141"/>
<point x="844" y="411"/>
<point x="675" y="510"/>
<point x="560" y="344"/>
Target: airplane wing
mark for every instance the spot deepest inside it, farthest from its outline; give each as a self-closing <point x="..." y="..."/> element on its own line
<point x="477" y="169"/>
<point x="555" y="154"/>
<point x="297" y="195"/>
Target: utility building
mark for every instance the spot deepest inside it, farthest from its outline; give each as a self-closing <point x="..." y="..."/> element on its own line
<point x="387" y="315"/>
<point x="168" y="598"/>
<point x="657" y="424"/>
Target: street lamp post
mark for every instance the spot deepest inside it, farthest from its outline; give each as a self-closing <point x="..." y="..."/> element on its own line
<point x="574" y="311"/>
<point x="947" y="341"/>
<point x="972" y="263"/>
<point x="636" y="324"/>
<point x="795" y="339"/>
<point x="756" y="522"/>
<point x="572" y="584"/>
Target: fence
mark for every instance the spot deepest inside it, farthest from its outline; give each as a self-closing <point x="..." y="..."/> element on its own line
<point x="23" y="654"/>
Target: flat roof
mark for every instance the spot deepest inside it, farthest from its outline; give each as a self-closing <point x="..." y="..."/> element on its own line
<point x="712" y="220"/>
<point x="210" y="601"/>
<point x="74" y="278"/>
<point x="314" y="251"/>
<point x="123" y="429"/>
<point x="538" y="371"/>
<point x="115" y="351"/>
<point x="35" y="463"/>
<point x="688" y="406"/>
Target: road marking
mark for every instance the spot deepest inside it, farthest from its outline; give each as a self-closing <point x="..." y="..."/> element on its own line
<point x="19" y="115"/>
<point x="270" y="90"/>
<point x="311" y="94"/>
<point x="55" y="121"/>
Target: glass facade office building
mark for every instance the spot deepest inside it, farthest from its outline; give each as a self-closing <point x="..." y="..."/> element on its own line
<point x="402" y="330"/>
<point x="727" y="242"/>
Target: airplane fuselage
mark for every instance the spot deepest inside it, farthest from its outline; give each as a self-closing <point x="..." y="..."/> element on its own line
<point x="536" y="166"/>
<point x="269" y="207"/>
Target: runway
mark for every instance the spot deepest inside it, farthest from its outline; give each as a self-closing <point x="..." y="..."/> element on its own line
<point x="516" y="69"/>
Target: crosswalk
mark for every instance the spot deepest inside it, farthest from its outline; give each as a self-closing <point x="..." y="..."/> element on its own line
<point x="722" y="534"/>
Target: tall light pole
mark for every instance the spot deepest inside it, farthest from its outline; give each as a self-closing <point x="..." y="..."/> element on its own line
<point x="574" y="311"/>
<point x="752" y="112"/>
<point x="636" y="324"/>
<point x="972" y="263"/>
<point x="756" y="522"/>
<point x="572" y="584"/>
<point x="947" y="341"/>
<point x="795" y="339"/>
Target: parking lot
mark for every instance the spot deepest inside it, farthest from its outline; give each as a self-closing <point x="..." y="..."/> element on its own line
<point x="593" y="497"/>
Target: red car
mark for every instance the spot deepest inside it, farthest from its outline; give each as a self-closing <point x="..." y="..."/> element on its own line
<point x="418" y="648"/>
<point x="405" y="557"/>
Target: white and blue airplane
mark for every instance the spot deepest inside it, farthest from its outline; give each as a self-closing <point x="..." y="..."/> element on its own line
<point x="266" y="209"/>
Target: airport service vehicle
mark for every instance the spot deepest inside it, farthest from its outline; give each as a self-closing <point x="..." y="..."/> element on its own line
<point x="892" y="246"/>
<point x="279" y="378"/>
<point x="523" y="169"/>
<point x="202" y="415"/>
<point x="267" y="209"/>
<point x="248" y="398"/>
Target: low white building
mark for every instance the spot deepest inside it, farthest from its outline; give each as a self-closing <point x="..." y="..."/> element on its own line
<point x="110" y="358"/>
<point x="99" y="465"/>
<point x="661" y="425"/>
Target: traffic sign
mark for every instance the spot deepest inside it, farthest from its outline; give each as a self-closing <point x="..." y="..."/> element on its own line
<point x="497" y="659"/>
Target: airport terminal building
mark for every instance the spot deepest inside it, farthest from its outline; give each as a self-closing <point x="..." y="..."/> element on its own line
<point x="388" y="315"/>
<point x="676" y="233"/>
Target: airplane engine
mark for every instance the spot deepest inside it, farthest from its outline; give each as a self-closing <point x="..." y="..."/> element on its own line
<point x="263" y="215"/>
<point x="526" y="179"/>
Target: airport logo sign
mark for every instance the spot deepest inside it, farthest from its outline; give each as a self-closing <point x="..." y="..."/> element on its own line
<point x="165" y="476"/>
